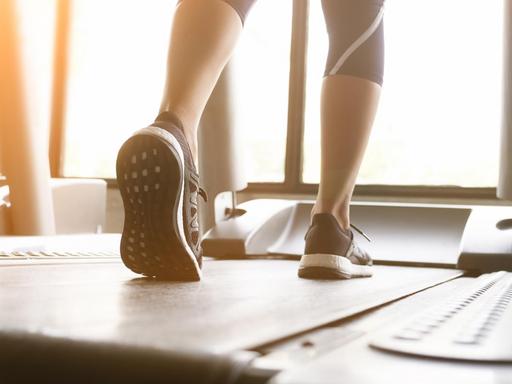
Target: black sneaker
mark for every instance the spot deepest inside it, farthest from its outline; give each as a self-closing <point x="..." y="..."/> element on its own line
<point x="159" y="185"/>
<point x="331" y="252"/>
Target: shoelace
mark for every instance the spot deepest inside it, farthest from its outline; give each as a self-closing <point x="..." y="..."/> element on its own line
<point x="352" y="226"/>
<point x="361" y="233"/>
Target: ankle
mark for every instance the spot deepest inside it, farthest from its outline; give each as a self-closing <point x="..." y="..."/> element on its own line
<point x="341" y="214"/>
<point x="192" y="143"/>
<point x="187" y="125"/>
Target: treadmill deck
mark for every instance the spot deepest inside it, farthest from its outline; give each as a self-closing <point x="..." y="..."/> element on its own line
<point x="239" y="304"/>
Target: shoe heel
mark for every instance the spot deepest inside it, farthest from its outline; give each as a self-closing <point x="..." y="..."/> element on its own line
<point x="150" y="180"/>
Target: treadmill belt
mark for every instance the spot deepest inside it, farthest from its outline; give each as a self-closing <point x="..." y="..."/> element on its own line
<point x="239" y="304"/>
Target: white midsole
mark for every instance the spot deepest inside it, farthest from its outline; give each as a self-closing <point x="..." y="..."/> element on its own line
<point x="336" y="262"/>
<point x="170" y="139"/>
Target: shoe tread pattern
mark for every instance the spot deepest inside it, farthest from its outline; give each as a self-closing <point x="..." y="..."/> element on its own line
<point x="150" y="179"/>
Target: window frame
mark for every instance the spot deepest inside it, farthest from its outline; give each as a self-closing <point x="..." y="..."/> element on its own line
<point x="292" y="184"/>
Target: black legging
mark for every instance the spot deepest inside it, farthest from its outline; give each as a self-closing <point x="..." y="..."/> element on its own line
<point x="356" y="36"/>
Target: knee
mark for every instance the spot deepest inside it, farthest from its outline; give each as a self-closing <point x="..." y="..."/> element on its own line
<point x="356" y="38"/>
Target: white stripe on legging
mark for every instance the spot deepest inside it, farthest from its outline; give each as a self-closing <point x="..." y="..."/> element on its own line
<point x="360" y="40"/>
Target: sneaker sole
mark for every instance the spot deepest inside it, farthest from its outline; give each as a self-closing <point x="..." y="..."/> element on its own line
<point x="326" y="266"/>
<point x="150" y="175"/>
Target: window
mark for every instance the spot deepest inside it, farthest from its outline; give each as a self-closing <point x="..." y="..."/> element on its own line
<point x="118" y="53"/>
<point x="439" y="116"/>
<point x="262" y="66"/>
<point x="439" y="110"/>
<point x="117" y="59"/>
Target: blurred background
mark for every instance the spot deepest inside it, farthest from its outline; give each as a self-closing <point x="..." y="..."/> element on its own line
<point x="439" y="117"/>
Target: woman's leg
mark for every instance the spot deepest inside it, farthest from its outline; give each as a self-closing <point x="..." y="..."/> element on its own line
<point x="203" y="36"/>
<point x="155" y="167"/>
<point x="350" y="95"/>
<point x="348" y="109"/>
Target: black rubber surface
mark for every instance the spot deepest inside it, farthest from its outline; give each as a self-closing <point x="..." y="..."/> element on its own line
<point x="150" y="179"/>
<point x="33" y="358"/>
